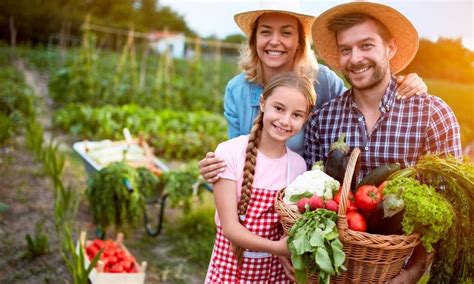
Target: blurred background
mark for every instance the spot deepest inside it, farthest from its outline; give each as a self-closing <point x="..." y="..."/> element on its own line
<point x="83" y="70"/>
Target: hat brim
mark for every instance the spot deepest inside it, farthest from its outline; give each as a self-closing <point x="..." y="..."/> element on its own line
<point x="246" y="20"/>
<point x="403" y="32"/>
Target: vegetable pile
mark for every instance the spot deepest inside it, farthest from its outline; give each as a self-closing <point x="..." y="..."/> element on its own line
<point x="116" y="195"/>
<point x="315" y="247"/>
<point x="115" y="258"/>
<point x="426" y="211"/>
<point x="454" y="261"/>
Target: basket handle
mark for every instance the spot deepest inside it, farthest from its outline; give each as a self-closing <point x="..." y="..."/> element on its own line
<point x="346" y="185"/>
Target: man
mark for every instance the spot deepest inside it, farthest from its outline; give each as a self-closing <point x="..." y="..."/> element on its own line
<point x="369" y="43"/>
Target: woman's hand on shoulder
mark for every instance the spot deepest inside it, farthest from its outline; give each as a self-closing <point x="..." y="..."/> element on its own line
<point x="210" y="167"/>
<point x="410" y="85"/>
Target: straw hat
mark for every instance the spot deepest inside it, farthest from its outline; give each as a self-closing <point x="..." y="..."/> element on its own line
<point x="246" y="20"/>
<point x="399" y="26"/>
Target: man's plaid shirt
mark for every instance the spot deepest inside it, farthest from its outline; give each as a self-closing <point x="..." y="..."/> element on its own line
<point x="406" y="130"/>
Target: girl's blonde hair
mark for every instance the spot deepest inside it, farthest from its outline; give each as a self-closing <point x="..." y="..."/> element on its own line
<point x="304" y="62"/>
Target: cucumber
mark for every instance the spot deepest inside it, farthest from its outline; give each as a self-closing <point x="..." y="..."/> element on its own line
<point x="379" y="174"/>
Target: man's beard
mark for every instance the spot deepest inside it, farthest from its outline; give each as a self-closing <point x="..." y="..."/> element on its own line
<point x="379" y="71"/>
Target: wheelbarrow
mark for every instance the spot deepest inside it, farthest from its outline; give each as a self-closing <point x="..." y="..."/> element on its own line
<point x="135" y="152"/>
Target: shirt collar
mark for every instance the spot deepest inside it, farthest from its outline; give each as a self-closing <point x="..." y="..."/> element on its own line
<point x="387" y="99"/>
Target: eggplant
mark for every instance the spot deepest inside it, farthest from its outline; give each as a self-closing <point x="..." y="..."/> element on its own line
<point x="377" y="224"/>
<point x="337" y="160"/>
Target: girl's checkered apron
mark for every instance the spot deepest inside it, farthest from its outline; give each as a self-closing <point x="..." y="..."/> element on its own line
<point x="256" y="267"/>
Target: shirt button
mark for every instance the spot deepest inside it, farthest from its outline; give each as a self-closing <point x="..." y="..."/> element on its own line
<point x="360" y="119"/>
<point x="366" y="148"/>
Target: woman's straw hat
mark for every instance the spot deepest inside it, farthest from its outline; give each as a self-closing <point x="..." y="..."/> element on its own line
<point x="246" y="20"/>
<point x="399" y="26"/>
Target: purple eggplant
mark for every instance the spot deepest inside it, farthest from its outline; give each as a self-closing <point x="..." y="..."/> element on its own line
<point x="337" y="160"/>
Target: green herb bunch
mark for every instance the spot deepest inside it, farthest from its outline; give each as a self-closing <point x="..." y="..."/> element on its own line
<point x="454" y="260"/>
<point x="315" y="247"/>
<point x="426" y="211"/>
<point x="110" y="200"/>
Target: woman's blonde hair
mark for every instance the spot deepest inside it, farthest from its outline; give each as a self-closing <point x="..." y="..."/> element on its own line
<point x="289" y="79"/>
<point x="304" y="62"/>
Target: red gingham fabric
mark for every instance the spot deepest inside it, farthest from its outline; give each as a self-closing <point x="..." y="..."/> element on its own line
<point x="406" y="130"/>
<point x="262" y="220"/>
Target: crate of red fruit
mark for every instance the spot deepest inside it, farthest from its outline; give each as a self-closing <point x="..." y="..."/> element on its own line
<point x="116" y="264"/>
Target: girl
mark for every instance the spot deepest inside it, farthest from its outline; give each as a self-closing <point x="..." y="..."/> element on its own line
<point x="249" y="234"/>
<point x="278" y="41"/>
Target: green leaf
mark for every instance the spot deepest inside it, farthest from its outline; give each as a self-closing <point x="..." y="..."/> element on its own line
<point x="300" y="276"/>
<point x="324" y="261"/>
<point x="297" y="261"/>
<point x="317" y="239"/>
<point x="337" y="253"/>
<point x="296" y="197"/>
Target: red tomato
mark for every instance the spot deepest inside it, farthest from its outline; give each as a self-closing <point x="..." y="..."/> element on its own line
<point x="350" y="201"/>
<point x="356" y="221"/>
<point x="116" y="268"/>
<point x="92" y="250"/>
<point x="98" y="243"/>
<point x="126" y="264"/>
<point x="367" y="197"/>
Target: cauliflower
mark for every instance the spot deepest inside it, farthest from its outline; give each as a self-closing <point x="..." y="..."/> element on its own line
<point x="310" y="183"/>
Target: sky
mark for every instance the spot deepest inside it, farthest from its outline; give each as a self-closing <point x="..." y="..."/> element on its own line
<point x="432" y="18"/>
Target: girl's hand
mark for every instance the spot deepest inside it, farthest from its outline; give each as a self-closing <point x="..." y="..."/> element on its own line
<point x="410" y="85"/>
<point x="210" y="167"/>
<point x="288" y="268"/>
<point x="281" y="248"/>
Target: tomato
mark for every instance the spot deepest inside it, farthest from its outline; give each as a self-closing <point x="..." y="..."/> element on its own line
<point x="367" y="197"/>
<point x="350" y="201"/>
<point x="116" y="268"/>
<point x="98" y="243"/>
<point x="356" y="221"/>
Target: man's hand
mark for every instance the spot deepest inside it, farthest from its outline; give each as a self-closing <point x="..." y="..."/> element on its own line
<point x="210" y="167"/>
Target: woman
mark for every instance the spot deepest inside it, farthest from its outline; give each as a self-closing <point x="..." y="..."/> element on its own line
<point x="278" y="41"/>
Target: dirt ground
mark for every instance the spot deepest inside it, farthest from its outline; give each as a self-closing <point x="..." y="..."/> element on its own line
<point x="28" y="195"/>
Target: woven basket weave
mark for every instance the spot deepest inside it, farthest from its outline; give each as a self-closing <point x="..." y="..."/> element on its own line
<point x="370" y="258"/>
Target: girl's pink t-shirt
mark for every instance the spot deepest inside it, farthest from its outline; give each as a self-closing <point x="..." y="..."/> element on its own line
<point x="270" y="174"/>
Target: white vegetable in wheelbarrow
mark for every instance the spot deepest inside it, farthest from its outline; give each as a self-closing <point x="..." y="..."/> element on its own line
<point x="310" y="183"/>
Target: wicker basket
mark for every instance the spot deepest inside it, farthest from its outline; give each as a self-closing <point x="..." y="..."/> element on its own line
<point x="370" y="258"/>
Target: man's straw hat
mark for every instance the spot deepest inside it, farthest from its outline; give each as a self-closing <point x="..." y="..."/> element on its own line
<point x="246" y="20"/>
<point x="399" y="26"/>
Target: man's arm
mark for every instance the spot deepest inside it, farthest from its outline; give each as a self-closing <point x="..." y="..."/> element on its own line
<point x="419" y="261"/>
<point x="443" y="134"/>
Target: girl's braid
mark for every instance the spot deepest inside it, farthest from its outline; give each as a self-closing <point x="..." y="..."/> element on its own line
<point x="250" y="162"/>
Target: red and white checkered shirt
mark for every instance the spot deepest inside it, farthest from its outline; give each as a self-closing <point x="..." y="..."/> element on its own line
<point x="406" y="130"/>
